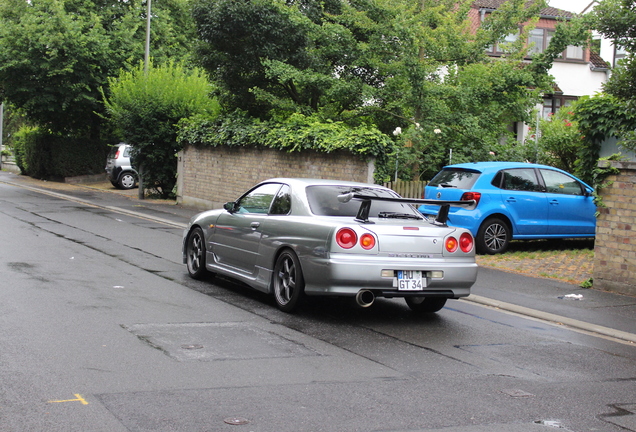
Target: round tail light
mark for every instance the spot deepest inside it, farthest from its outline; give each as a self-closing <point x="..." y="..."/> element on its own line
<point x="451" y="244"/>
<point x="466" y="242"/>
<point x="367" y="241"/>
<point x="346" y="238"/>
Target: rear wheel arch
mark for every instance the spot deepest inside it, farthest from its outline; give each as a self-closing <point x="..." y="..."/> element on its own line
<point x="288" y="281"/>
<point x="494" y="234"/>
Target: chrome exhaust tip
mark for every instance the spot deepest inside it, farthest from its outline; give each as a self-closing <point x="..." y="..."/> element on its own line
<point x="365" y="298"/>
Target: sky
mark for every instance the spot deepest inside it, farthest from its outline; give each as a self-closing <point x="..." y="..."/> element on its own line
<point x="575" y="6"/>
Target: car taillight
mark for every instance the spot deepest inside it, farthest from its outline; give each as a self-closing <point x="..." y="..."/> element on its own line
<point x="367" y="241"/>
<point x="346" y="238"/>
<point x="466" y="242"/>
<point x="117" y="154"/>
<point x="467" y="196"/>
<point x="451" y="244"/>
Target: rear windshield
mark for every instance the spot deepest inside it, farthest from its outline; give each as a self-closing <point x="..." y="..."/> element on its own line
<point x="455" y="178"/>
<point x="323" y="201"/>
<point x="112" y="152"/>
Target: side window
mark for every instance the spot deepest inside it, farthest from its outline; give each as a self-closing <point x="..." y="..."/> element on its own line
<point x="496" y="180"/>
<point x="282" y="202"/>
<point x="556" y="182"/>
<point x="258" y="200"/>
<point x="522" y="179"/>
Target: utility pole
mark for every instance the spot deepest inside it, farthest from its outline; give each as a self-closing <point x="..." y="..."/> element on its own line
<point x="141" y="194"/>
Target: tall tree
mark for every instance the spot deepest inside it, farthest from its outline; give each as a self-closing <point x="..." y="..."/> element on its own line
<point x="616" y="20"/>
<point x="55" y="55"/>
<point x="416" y="65"/>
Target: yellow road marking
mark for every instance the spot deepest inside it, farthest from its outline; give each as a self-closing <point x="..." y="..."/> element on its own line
<point x="79" y="399"/>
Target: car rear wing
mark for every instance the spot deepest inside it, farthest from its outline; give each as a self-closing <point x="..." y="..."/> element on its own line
<point x="442" y="215"/>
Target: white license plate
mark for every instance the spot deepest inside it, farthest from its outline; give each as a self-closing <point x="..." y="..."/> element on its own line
<point x="410" y="280"/>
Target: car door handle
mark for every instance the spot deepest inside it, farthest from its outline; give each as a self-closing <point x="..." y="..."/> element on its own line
<point x="554" y="202"/>
<point x="255" y="225"/>
<point x="511" y="199"/>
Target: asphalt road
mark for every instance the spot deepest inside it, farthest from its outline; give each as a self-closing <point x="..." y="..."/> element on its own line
<point x="101" y="329"/>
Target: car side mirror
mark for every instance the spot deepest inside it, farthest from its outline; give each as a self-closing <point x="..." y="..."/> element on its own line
<point x="230" y="206"/>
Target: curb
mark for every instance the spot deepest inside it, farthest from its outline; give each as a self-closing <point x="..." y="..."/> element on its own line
<point x="556" y="319"/>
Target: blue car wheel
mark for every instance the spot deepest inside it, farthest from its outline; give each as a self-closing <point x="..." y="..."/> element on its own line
<point x="493" y="237"/>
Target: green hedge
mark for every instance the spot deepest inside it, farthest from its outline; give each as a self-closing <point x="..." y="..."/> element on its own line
<point x="41" y="154"/>
<point x="297" y="133"/>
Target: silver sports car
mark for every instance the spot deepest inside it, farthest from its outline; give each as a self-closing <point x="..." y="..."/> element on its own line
<point x="298" y="238"/>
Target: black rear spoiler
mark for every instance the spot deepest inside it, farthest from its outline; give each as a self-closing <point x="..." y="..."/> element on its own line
<point x="442" y="215"/>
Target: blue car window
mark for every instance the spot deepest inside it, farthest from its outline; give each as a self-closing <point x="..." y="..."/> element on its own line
<point x="258" y="200"/>
<point x="522" y="179"/>
<point x="282" y="202"/>
<point x="455" y="178"/>
<point x="556" y="182"/>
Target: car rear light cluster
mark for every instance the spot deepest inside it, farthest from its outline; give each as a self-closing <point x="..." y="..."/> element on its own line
<point x="465" y="243"/>
<point x="347" y="238"/>
<point x="468" y="196"/>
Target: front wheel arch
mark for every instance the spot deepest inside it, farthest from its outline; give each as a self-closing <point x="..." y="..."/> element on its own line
<point x="195" y="252"/>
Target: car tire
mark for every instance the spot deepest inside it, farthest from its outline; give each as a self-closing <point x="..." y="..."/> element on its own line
<point x="195" y="254"/>
<point x="425" y="304"/>
<point x="127" y="181"/>
<point x="493" y="236"/>
<point x="288" y="281"/>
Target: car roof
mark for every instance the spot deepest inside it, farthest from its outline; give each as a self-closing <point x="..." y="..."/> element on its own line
<point x="304" y="182"/>
<point x="496" y="166"/>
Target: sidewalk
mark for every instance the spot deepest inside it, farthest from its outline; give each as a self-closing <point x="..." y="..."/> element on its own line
<point x="522" y="286"/>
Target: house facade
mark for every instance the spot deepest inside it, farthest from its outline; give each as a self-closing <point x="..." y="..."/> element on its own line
<point x="578" y="72"/>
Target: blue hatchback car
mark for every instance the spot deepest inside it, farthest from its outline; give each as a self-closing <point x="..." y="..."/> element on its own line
<point x="515" y="200"/>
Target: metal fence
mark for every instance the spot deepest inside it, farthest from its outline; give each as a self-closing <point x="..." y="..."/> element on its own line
<point x="407" y="189"/>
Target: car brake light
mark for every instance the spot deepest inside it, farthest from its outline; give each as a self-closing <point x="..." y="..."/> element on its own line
<point x="466" y="242"/>
<point x="367" y="241"/>
<point x="451" y="244"/>
<point x="117" y="154"/>
<point x="346" y="238"/>
<point x="468" y="196"/>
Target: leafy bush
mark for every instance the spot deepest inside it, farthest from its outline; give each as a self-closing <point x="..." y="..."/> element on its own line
<point x="559" y="140"/>
<point x="144" y="107"/>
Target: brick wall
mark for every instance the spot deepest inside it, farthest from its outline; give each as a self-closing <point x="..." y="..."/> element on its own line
<point x="208" y="177"/>
<point x="615" y="246"/>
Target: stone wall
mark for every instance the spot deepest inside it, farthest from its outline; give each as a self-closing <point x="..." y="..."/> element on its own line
<point x="615" y="246"/>
<point x="208" y="177"/>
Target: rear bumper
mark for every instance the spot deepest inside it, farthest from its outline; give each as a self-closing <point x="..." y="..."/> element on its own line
<point x="345" y="275"/>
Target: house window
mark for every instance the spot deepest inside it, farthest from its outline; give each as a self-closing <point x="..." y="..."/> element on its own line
<point x="539" y="39"/>
<point x="501" y="46"/>
<point x="619" y="53"/>
<point x="551" y="104"/>
<point x="574" y="53"/>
